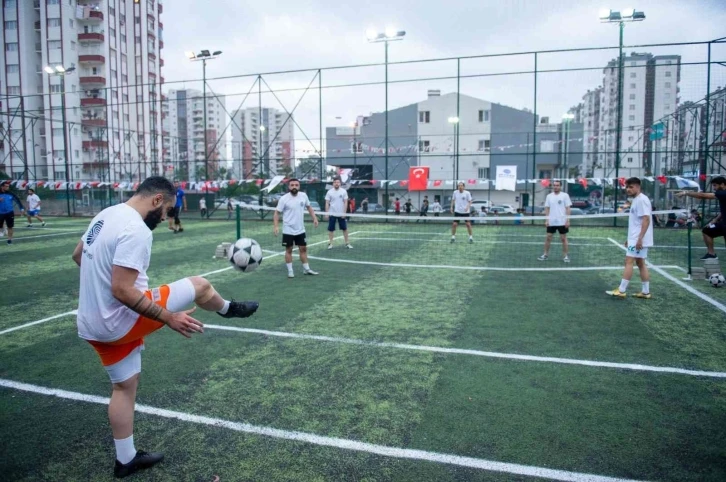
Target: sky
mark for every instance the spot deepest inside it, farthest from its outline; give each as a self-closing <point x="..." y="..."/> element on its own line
<point x="262" y="37"/>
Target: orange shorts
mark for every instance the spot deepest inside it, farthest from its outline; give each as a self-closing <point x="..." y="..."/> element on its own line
<point x="115" y="351"/>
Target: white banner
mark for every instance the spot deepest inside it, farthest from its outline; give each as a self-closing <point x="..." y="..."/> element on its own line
<point x="273" y="184"/>
<point x="506" y="178"/>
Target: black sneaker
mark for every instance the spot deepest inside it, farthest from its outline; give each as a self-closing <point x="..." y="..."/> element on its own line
<point x="142" y="460"/>
<point x="240" y="309"/>
<point x="709" y="256"/>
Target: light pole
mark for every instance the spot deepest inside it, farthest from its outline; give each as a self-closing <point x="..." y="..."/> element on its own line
<point x="455" y="155"/>
<point x="565" y="173"/>
<point x="205" y="55"/>
<point x="613" y="16"/>
<point x="61" y="72"/>
<point x="390" y="35"/>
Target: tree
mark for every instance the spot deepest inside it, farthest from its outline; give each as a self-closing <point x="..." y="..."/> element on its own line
<point x="309" y="167"/>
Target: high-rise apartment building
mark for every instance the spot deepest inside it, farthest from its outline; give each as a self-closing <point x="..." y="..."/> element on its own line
<point x="112" y="96"/>
<point x="591" y="128"/>
<point x="183" y="129"/>
<point x="263" y="142"/>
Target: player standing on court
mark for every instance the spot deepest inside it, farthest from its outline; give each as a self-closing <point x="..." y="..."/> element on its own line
<point x="7" y="212"/>
<point x="181" y="200"/>
<point x="116" y="308"/>
<point x="292" y="206"/>
<point x="640" y="238"/>
<point x="33" y="208"/>
<point x="336" y="200"/>
<point x="557" y="211"/>
<point x="461" y="208"/>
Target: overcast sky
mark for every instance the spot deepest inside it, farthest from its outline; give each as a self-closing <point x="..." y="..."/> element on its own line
<point x="285" y="35"/>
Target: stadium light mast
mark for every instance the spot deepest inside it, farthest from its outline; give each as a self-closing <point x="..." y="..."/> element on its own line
<point x="389" y="35"/>
<point x="614" y="16"/>
<point x="204" y="55"/>
<point x="61" y="72"/>
<point x="566" y="119"/>
<point x="455" y="168"/>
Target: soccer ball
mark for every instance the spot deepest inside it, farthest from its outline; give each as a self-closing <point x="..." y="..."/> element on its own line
<point x="245" y="255"/>
<point x="717" y="280"/>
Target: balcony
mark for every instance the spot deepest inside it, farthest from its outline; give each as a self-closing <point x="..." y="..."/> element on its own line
<point x="95" y="15"/>
<point x="90" y="37"/>
<point x="152" y="55"/>
<point x="91" y="59"/>
<point x="161" y="44"/>
<point x="92" y="80"/>
<point x="161" y="62"/>
<point x="161" y="8"/>
<point x="37" y="25"/>
<point x="98" y="122"/>
<point x="93" y="102"/>
<point x="95" y="165"/>
<point x="94" y="144"/>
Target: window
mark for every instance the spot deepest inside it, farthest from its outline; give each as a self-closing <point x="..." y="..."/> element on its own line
<point x="112" y="32"/>
<point x="668" y="73"/>
<point x="632" y="96"/>
<point x="111" y="11"/>
<point x="630" y="138"/>
<point x="57" y="132"/>
<point x="667" y="107"/>
<point x="13" y="90"/>
<point x="151" y="43"/>
<point x="10" y="3"/>
<point x="55" y="88"/>
<point x="356" y="147"/>
<point x="73" y="45"/>
<point x="483" y="173"/>
<point x="631" y="117"/>
<point x="59" y="175"/>
<point x="11" y="25"/>
<point x="78" y="154"/>
<point x="423" y="146"/>
<point x="631" y="107"/>
<point x="633" y="75"/>
<point x="54" y="22"/>
<point x="123" y="38"/>
<point x="632" y="86"/>
<point x="70" y="23"/>
<point x="54" y="45"/>
<point x="52" y="2"/>
<point x="11" y="47"/>
<point x="424" y="116"/>
<point x="13" y="68"/>
<point x="630" y="159"/>
<point x="483" y="116"/>
<point x="484" y="145"/>
<point x="667" y="85"/>
<point x="633" y="64"/>
<point x="150" y="24"/>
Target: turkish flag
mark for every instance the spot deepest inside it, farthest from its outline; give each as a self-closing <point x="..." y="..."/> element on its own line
<point x="583" y="182"/>
<point x="418" y="178"/>
<point x="437" y="183"/>
<point x="662" y="179"/>
<point x="545" y="182"/>
<point x="621" y="181"/>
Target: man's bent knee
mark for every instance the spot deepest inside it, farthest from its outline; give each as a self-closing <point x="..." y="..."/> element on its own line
<point x="129" y="384"/>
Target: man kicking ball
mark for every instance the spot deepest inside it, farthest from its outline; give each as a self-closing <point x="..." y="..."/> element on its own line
<point x="116" y="308"/>
<point x="640" y="238"/>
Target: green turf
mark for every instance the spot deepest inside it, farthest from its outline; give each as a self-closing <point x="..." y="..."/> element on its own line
<point x="592" y="420"/>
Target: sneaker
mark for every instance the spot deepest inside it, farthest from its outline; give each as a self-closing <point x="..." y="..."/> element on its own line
<point x="616" y="293"/>
<point x="29" y="226"/>
<point x="142" y="460"/>
<point x="453" y="240"/>
<point x="471" y="240"/>
<point x="330" y="246"/>
<point x="181" y="230"/>
<point x="709" y="256"/>
<point x="290" y="274"/>
<point x="645" y="296"/>
<point x="543" y="257"/>
<point x="43" y="224"/>
<point x="566" y="259"/>
<point x="349" y="246"/>
<point x="10" y="241"/>
<point x="310" y="272"/>
<point x="177" y="232"/>
<point x="240" y="309"/>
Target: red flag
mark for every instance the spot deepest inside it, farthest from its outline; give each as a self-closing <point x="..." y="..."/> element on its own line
<point x="621" y="181"/>
<point x="471" y="181"/>
<point x="702" y="177"/>
<point x="583" y="182"/>
<point x="404" y="183"/>
<point x="662" y="179"/>
<point x="232" y="182"/>
<point x="437" y="183"/>
<point x="259" y="182"/>
<point x="418" y="178"/>
<point x="545" y="182"/>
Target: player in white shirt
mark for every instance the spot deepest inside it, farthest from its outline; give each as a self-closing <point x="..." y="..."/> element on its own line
<point x="640" y="238"/>
<point x="557" y="210"/>
<point x="203" y="207"/>
<point x="461" y="208"/>
<point x="116" y="308"/>
<point x="293" y="206"/>
<point x="336" y="203"/>
<point x="33" y="208"/>
<point x="436" y="208"/>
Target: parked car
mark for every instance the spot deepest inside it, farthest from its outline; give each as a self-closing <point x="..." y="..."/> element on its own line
<point x="600" y="210"/>
<point x="507" y="208"/>
<point x="373" y="208"/>
<point x="316" y="206"/>
<point x="477" y="205"/>
<point x="534" y="211"/>
<point x="576" y="212"/>
<point x="498" y="210"/>
<point x="253" y="205"/>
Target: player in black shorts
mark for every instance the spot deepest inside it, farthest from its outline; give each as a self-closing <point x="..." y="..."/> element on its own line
<point x="7" y="213"/>
<point x="717" y="227"/>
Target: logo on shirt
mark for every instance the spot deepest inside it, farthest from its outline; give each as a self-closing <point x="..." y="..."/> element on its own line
<point x="94" y="232"/>
<point x="302" y="204"/>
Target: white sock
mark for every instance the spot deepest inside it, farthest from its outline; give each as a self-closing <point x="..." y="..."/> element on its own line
<point x="453" y="237"/>
<point x="289" y="267"/>
<point x="224" y="309"/>
<point x="623" y="285"/>
<point x="646" y="287"/>
<point x="306" y="266"/>
<point x="125" y="450"/>
<point x="471" y="237"/>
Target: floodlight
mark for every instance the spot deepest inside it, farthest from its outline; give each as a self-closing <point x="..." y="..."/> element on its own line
<point x="391" y="32"/>
<point x="190" y="55"/>
<point x="453" y="120"/>
<point x="604" y="14"/>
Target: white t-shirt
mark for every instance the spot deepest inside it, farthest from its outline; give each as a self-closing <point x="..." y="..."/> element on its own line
<point x="558" y="204"/>
<point x="293" y="210"/>
<point x="338" y="199"/>
<point x="202" y="203"/>
<point x="116" y="236"/>
<point x="33" y="202"/>
<point x="638" y="208"/>
<point x="461" y="201"/>
<point x="436" y="207"/>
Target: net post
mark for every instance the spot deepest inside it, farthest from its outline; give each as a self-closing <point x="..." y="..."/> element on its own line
<point x="239" y="222"/>
<point x="688" y="251"/>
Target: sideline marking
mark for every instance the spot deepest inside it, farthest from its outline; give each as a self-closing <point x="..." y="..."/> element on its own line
<point x="68" y="313"/>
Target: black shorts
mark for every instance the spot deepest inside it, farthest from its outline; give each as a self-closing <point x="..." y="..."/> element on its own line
<point x="8" y="218"/>
<point x="555" y="229"/>
<point x="175" y="214"/>
<point x="297" y="239"/>
<point x="716" y="231"/>
<point x="461" y="215"/>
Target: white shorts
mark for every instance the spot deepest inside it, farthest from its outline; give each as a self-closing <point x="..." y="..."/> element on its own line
<point x="633" y="253"/>
<point x="181" y="295"/>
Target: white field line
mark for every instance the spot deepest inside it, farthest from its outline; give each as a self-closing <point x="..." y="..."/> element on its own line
<point x="321" y="440"/>
<point x="365" y="232"/>
<point x="20" y="327"/>
<point x="462" y="351"/>
<point x="477" y="240"/>
<point x="690" y="289"/>
<point x="19" y="238"/>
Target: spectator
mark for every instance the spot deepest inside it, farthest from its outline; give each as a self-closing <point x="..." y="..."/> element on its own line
<point x="364" y="205"/>
<point x="436" y="208"/>
<point x="230" y="209"/>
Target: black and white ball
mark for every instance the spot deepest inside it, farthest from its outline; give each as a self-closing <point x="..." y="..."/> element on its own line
<point x="717" y="280"/>
<point x="245" y="255"/>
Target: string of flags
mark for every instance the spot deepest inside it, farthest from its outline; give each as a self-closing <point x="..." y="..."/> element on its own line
<point x="214" y="186"/>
